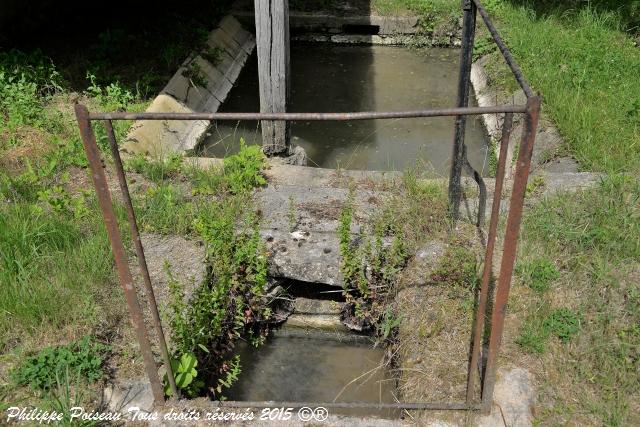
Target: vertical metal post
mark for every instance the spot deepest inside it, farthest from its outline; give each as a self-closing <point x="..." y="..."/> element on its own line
<point x="464" y="80"/>
<point x="510" y="248"/>
<point x="479" y="324"/>
<point x="119" y="254"/>
<point x="142" y="261"/>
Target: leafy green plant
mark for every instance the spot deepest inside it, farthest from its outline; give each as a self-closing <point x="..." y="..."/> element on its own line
<point x="185" y="373"/>
<point x="535" y="185"/>
<point x="212" y="54"/>
<point x="42" y="371"/>
<point x="369" y="265"/>
<point x="483" y="46"/>
<point x="194" y="74"/>
<point x="229" y="302"/>
<point x="110" y="97"/>
<point x="243" y="171"/>
<point x="537" y="273"/>
<point x="19" y="101"/>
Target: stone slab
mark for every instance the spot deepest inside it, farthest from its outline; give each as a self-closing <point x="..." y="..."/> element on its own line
<point x="159" y="138"/>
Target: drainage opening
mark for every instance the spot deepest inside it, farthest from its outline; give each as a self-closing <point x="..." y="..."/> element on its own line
<point x="314" y="357"/>
<point x="361" y="29"/>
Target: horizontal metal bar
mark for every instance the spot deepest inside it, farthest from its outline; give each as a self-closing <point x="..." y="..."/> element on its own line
<point x="453" y="406"/>
<point x="506" y="53"/>
<point x="364" y="115"/>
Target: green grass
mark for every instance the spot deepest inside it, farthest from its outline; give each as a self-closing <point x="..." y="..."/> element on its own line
<point x="585" y="66"/>
<point x="593" y="311"/>
<point x="51" y="266"/>
<point x="538" y="273"/>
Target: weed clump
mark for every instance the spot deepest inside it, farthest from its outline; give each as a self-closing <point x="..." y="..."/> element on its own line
<point x="561" y="323"/>
<point x="369" y="270"/>
<point x="538" y="273"/>
<point x="42" y="371"/>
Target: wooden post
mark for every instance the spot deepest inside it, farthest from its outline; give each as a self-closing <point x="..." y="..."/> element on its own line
<point x="272" y="34"/>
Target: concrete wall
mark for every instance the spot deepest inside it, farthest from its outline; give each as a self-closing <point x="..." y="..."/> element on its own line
<point x="201" y="84"/>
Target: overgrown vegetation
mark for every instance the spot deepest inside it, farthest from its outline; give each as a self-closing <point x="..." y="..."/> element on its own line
<point x="369" y="269"/>
<point x="53" y="248"/>
<point x="433" y="14"/>
<point x="370" y="265"/>
<point x="229" y="303"/>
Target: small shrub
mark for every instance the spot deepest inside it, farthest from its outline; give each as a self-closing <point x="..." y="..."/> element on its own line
<point x="389" y="323"/>
<point x="41" y="372"/>
<point x="538" y="273"/>
<point x="229" y="372"/>
<point x="229" y="302"/>
<point x="213" y="55"/>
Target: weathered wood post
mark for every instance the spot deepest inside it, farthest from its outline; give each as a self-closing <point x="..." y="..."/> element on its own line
<point x="272" y="36"/>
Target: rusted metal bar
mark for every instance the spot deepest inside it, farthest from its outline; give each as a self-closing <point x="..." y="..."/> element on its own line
<point x="458" y="155"/>
<point x="506" y="53"/>
<point x="363" y="115"/>
<point x="119" y="254"/>
<point x="445" y="406"/>
<point x="479" y="323"/>
<point x="142" y="261"/>
<point x="482" y="188"/>
<point x="510" y="247"/>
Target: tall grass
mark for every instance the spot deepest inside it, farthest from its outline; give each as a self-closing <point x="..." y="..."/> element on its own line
<point x="586" y="71"/>
<point x="50" y="269"/>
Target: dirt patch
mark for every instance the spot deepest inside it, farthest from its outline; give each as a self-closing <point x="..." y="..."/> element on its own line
<point x="24" y="145"/>
<point x="323" y="211"/>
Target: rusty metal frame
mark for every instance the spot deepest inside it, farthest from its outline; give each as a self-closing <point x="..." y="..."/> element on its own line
<point x="482" y="348"/>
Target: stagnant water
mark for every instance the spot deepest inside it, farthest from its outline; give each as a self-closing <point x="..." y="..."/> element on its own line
<point x="317" y="367"/>
<point x="335" y="78"/>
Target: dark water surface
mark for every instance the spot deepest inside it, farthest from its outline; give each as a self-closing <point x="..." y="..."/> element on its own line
<point x="337" y="78"/>
<point x="296" y="368"/>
